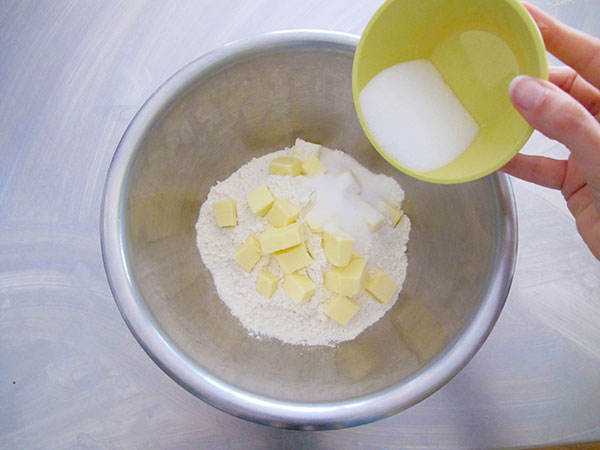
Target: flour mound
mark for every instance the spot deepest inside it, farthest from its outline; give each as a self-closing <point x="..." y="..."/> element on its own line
<point x="279" y="317"/>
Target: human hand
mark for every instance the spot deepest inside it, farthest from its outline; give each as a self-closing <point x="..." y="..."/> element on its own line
<point x="567" y="109"/>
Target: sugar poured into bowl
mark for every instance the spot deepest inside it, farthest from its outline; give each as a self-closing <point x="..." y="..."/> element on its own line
<point x="415" y="117"/>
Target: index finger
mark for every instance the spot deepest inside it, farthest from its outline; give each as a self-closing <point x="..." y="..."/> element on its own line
<point x="573" y="47"/>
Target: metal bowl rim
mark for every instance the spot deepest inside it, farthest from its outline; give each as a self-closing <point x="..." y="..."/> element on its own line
<point x="226" y="397"/>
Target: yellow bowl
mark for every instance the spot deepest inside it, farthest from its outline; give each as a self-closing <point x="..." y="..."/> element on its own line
<point x="478" y="46"/>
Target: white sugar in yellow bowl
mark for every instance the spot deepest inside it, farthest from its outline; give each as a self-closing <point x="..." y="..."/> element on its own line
<point x="478" y="47"/>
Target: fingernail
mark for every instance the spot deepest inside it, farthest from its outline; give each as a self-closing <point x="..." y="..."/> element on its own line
<point x="526" y="92"/>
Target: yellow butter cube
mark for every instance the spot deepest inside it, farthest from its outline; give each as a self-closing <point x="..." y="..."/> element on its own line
<point x="226" y="213"/>
<point x="349" y="280"/>
<point x="355" y="275"/>
<point x="260" y="200"/>
<point x="346" y="182"/>
<point x="338" y="248"/>
<point x="381" y="286"/>
<point x="332" y="279"/>
<point x="314" y="223"/>
<point x="341" y="309"/>
<point x="299" y="287"/>
<point x="277" y="239"/>
<point x="374" y="223"/>
<point x="247" y="254"/>
<point x="282" y="213"/>
<point x="304" y="149"/>
<point x="393" y="213"/>
<point x="371" y="215"/>
<point x="286" y="165"/>
<point x="293" y="259"/>
<point x="312" y="166"/>
<point x="266" y="283"/>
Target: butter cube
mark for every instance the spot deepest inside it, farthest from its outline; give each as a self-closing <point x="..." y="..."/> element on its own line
<point x="266" y="283"/>
<point x="394" y="214"/>
<point x="226" y="213"/>
<point x="332" y="279"/>
<point x="282" y="213"/>
<point x="375" y="225"/>
<point x="371" y="215"/>
<point x="349" y="280"/>
<point x="341" y="309"/>
<point x="381" y="286"/>
<point x="286" y="165"/>
<point x="303" y="148"/>
<point x="312" y="166"/>
<point x="293" y="259"/>
<point x="247" y="254"/>
<point x="260" y="200"/>
<point x="355" y="275"/>
<point x="312" y="220"/>
<point x="299" y="287"/>
<point x="280" y="238"/>
<point x="338" y="248"/>
<point x="346" y="182"/>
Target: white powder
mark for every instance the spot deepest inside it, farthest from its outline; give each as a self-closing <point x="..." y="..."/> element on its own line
<point x="279" y="317"/>
<point x="415" y="117"/>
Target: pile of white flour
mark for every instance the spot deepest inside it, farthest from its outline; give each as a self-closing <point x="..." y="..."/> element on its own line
<point x="279" y="317"/>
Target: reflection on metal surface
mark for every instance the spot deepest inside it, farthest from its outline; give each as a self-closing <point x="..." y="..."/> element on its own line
<point x="422" y="332"/>
<point x="72" y="75"/>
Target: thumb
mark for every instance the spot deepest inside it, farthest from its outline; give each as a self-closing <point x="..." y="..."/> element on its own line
<point x="559" y="116"/>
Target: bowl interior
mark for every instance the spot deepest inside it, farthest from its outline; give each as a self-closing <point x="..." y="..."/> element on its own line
<point x="478" y="46"/>
<point x="257" y="103"/>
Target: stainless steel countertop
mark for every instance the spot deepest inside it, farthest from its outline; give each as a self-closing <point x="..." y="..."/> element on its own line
<point x="72" y="75"/>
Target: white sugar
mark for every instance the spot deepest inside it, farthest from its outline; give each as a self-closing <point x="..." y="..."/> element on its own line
<point x="349" y="194"/>
<point x="415" y="117"/>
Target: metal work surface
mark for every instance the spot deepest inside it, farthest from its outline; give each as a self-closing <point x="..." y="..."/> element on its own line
<point x="72" y="75"/>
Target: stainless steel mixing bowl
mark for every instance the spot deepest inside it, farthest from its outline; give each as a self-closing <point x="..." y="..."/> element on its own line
<point x="242" y="101"/>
